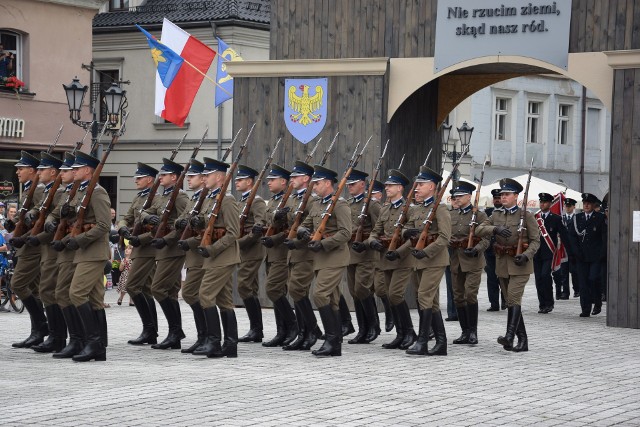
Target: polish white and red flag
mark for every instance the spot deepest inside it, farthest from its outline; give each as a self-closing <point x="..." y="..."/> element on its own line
<point x="174" y="102"/>
<point x="560" y="256"/>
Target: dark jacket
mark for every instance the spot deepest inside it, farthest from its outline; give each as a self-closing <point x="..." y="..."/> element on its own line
<point x="588" y="238"/>
<point x="553" y="224"/>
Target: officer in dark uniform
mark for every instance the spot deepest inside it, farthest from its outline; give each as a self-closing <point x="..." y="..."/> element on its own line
<point x="379" y="286"/>
<point x="493" y="284"/>
<point x="570" y="267"/>
<point x="543" y="259"/>
<point x="588" y="237"/>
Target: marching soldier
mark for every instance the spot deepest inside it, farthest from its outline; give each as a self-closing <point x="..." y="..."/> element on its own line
<point x="277" y="253"/>
<point x="221" y="258"/>
<point x="493" y="284"/>
<point x="569" y="268"/>
<point x="143" y="257"/>
<point x="26" y="276"/>
<point x="362" y="261"/>
<point x="431" y="261"/>
<point x="513" y="269"/>
<point x="332" y="257"/>
<point x="466" y="263"/>
<point x="251" y="254"/>
<point x="397" y="267"/>
<point x="587" y="234"/>
<point x="167" y="278"/>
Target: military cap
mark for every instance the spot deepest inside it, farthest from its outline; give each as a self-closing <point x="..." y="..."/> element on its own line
<point x="278" y="172"/>
<point x="356" y="176"/>
<point x="145" y="170"/>
<point x="545" y="197"/>
<point x="84" y="159"/>
<point x="27" y="161"/>
<point x="213" y="165"/>
<point x="169" y="166"/>
<point x="590" y="198"/>
<point x="461" y="188"/>
<point x="569" y="202"/>
<point x="49" y="161"/>
<point x="320" y="173"/>
<point x="496" y="192"/>
<point x="195" y="168"/>
<point x="427" y="174"/>
<point x="378" y="187"/>
<point x="301" y="169"/>
<point x="245" y="171"/>
<point x="508" y="185"/>
<point x="395" y="177"/>
<point x="69" y="160"/>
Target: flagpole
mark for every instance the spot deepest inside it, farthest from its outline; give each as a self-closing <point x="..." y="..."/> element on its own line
<point x="207" y="77"/>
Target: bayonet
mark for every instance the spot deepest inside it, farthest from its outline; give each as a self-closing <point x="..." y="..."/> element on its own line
<point x="55" y="141"/>
<point x="401" y="162"/>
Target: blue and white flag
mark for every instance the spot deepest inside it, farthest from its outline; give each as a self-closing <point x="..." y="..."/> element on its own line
<point x="225" y="54"/>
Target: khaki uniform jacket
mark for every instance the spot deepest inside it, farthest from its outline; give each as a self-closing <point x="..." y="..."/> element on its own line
<point x="65" y="255"/>
<point x="438" y="251"/>
<point x="171" y="250"/>
<point x="225" y="251"/>
<point x="369" y="221"/>
<point x="38" y="197"/>
<point x="250" y="247"/>
<point x="460" y="230"/>
<point x="302" y="252"/>
<point x="192" y="257"/>
<point x="384" y="228"/>
<point x="335" y="246"/>
<point x="505" y="266"/>
<point x="279" y="251"/>
<point x="45" y="238"/>
<point x="145" y="250"/>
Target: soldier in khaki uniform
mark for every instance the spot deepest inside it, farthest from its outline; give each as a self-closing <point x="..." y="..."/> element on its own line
<point x="301" y="264"/>
<point x="92" y="252"/>
<point x="467" y="264"/>
<point x="221" y="257"/>
<point x="396" y="265"/>
<point x="361" y="269"/>
<point x="143" y="257"/>
<point x="277" y="253"/>
<point x="26" y="276"/>
<point x="430" y="261"/>
<point x="512" y="269"/>
<point x="167" y="278"/>
<point x="332" y="257"/>
<point x="251" y="253"/>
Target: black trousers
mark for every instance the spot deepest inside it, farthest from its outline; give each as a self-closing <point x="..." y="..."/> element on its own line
<point x="544" y="281"/>
<point x="493" y="284"/>
<point x="589" y="279"/>
<point x="573" y="270"/>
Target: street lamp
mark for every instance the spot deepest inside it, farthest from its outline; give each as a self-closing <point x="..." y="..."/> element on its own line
<point x="464" y="134"/>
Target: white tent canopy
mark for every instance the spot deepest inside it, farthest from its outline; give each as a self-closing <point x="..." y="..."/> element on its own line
<point x="537" y="186"/>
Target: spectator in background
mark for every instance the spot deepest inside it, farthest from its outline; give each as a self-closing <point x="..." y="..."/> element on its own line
<point x="125" y="265"/>
<point x="6" y="62"/>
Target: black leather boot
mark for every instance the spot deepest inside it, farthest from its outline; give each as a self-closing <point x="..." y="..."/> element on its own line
<point x="440" y="347"/>
<point x="201" y="327"/>
<point x="254" y="311"/>
<point x="523" y="340"/>
<point x="102" y="324"/>
<point x="409" y="333"/>
<point x="311" y="324"/>
<point x="281" y="332"/>
<point x="151" y="303"/>
<point x="395" y="343"/>
<point x="289" y="319"/>
<point x="175" y="335"/>
<point x="420" y="346"/>
<point x="56" y="340"/>
<point x="230" y="344"/>
<point x="371" y="319"/>
<point x="149" y="333"/>
<point x="464" y="325"/>
<point x="472" y="313"/>
<point x="94" y="348"/>
<point x="39" y="328"/>
<point x="211" y="344"/>
<point x="388" y="315"/>
<point x="345" y="316"/>
<point x="76" y="333"/>
<point x="362" y="325"/>
<point x="302" y="331"/>
<point x="333" y="330"/>
<point x="512" y="326"/>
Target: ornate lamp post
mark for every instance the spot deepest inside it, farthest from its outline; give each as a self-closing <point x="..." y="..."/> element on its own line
<point x="464" y="133"/>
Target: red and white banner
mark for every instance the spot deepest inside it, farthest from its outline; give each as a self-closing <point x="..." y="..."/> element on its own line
<point x="560" y="256"/>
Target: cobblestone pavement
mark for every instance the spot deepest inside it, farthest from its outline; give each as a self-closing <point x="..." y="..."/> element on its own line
<point x="577" y="372"/>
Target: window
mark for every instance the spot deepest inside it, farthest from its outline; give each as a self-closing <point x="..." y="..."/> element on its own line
<point x="533" y="122"/>
<point x="501" y="124"/>
<point x="116" y="5"/>
<point x="11" y="55"/>
<point x="564" y="124"/>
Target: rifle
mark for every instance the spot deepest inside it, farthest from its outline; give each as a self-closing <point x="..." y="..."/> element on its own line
<point x="474" y="211"/>
<point x="21" y="226"/>
<point x="402" y="219"/>
<point x="207" y="237"/>
<point x="78" y="226"/>
<point x="254" y="190"/>
<point x="137" y="226"/>
<point x="44" y="208"/>
<point x="367" y="200"/>
<point x="188" y="230"/>
<point x="422" y="240"/>
<point x="305" y="198"/>
<point x="353" y="162"/>
<point x="163" y="226"/>
<point x="522" y="226"/>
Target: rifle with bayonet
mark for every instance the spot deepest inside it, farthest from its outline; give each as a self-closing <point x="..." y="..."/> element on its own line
<point x="522" y="227"/>
<point x="474" y="212"/>
<point x="367" y="200"/>
<point x="353" y="162"/>
<point x="163" y="226"/>
<point x="402" y="219"/>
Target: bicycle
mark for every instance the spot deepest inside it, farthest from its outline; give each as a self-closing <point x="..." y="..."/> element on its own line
<point x="8" y="296"/>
